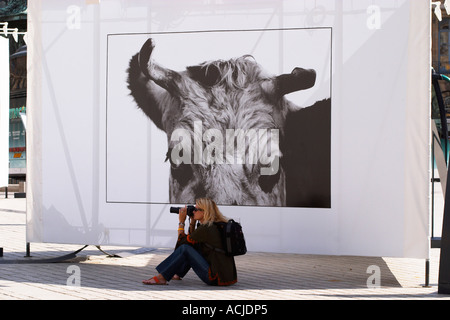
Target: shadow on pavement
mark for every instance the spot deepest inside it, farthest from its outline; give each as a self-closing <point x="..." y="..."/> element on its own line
<point x="256" y="271"/>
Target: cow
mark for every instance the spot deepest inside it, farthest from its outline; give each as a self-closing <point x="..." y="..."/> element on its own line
<point x="224" y="120"/>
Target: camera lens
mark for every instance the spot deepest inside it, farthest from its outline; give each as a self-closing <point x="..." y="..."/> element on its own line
<point x="175" y="210"/>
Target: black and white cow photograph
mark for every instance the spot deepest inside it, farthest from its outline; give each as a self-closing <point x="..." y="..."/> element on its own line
<point x="198" y="119"/>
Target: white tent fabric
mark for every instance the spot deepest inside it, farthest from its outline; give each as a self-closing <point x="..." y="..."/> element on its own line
<point x="93" y="169"/>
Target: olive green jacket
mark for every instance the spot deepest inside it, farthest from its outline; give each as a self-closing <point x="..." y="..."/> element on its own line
<point x="222" y="269"/>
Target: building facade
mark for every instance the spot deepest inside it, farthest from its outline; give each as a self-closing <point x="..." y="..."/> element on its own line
<point x="15" y="14"/>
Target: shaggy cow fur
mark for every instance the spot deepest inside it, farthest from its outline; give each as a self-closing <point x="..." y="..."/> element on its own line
<point x="234" y="94"/>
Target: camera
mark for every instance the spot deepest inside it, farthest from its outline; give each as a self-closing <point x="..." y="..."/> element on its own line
<point x="190" y="210"/>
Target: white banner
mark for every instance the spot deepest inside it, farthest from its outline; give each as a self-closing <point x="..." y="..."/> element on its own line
<point x="307" y="121"/>
<point x="4" y="111"/>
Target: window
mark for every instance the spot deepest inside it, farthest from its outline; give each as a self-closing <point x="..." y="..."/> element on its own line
<point x="444" y="43"/>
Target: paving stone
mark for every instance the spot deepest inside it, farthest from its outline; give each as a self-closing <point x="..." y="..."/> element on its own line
<point x="261" y="276"/>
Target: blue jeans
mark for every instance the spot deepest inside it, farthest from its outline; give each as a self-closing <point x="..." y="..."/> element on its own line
<point x="181" y="261"/>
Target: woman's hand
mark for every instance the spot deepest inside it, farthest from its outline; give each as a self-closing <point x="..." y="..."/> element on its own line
<point x="182" y="214"/>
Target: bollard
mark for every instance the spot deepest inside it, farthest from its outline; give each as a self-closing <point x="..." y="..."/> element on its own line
<point x="28" y="255"/>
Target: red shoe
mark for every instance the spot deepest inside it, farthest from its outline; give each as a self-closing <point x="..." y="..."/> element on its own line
<point x="154" y="281"/>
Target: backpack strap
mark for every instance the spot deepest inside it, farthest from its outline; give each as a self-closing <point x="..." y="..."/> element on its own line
<point x="228" y="231"/>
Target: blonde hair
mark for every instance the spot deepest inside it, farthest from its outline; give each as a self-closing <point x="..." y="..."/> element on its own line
<point x="211" y="212"/>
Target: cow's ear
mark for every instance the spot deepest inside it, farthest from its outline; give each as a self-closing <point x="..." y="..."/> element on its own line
<point x="207" y="75"/>
<point x="299" y="79"/>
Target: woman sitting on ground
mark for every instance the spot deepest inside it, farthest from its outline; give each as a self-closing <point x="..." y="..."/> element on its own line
<point x="196" y="250"/>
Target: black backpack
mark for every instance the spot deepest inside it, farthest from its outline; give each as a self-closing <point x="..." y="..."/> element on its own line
<point x="232" y="238"/>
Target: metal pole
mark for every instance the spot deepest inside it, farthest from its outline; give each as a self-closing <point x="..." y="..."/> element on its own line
<point x="28" y="255"/>
<point x="444" y="262"/>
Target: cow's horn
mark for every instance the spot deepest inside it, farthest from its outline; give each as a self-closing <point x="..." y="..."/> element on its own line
<point x="144" y="56"/>
<point x="299" y="79"/>
<point x="165" y="78"/>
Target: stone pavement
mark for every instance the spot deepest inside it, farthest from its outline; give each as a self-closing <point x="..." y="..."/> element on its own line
<point x="92" y="275"/>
